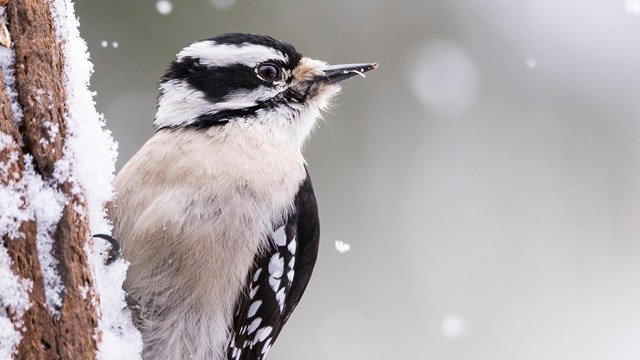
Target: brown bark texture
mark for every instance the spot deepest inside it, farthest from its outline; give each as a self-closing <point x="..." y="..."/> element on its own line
<point x="39" y="73"/>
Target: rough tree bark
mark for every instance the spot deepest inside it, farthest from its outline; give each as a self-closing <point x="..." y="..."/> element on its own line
<point x="39" y="73"/>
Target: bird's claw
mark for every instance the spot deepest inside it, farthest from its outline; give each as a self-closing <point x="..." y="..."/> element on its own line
<point x="114" y="253"/>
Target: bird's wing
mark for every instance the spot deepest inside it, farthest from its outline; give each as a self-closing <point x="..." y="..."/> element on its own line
<point x="277" y="280"/>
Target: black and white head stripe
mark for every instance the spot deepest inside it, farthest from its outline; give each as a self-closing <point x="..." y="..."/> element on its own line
<point x="243" y="49"/>
<point x="219" y="75"/>
<point x="239" y="49"/>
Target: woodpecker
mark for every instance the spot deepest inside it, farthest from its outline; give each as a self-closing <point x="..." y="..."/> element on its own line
<point x="216" y="212"/>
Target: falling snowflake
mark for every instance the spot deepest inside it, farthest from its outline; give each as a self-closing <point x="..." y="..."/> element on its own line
<point x="342" y="246"/>
<point x="164" y="7"/>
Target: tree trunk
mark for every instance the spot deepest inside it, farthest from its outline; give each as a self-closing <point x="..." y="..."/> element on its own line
<point x="50" y="329"/>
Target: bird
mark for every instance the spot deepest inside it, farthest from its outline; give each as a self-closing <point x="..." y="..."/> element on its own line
<point x="216" y="212"/>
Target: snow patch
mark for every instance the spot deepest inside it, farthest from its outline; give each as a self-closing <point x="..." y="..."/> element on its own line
<point x="14" y="295"/>
<point x="12" y="203"/>
<point x="7" y="61"/>
<point x="43" y="203"/>
<point x="14" y="290"/>
<point x="46" y="203"/>
<point x="93" y="171"/>
<point x="120" y="338"/>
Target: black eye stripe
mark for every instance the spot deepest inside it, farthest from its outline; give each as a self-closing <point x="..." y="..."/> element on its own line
<point x="218" y="81"/>
<point x="215" y="82"/>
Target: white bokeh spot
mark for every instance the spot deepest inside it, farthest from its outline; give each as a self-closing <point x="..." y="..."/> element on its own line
<point x="223" y="4"/>
<point x="443" y="77"/>
<point x="164" y="7"/>
<point x="632" y="7"/>
<point x="454" y="326"/>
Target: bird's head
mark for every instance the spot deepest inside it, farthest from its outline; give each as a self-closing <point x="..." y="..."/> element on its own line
<point x="244" y="80"/>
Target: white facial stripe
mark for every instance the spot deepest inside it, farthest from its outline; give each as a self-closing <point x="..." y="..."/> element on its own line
<point x="212" y="54"/>
<point x="180" y="104"/>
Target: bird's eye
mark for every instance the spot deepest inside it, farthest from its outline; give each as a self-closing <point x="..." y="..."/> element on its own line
<point x="269" y="72"/>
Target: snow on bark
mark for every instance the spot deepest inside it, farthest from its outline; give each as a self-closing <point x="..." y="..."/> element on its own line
<point x="88" y="164"/>
<point x="14" y="210"/>
<point x="14" y="291"/>
<point x="7" y="60"/>
<point x="11" y="201"/>
<point x="46" y="202"/>
<point x="93" y="172"/>
<point x="14" y="295"/>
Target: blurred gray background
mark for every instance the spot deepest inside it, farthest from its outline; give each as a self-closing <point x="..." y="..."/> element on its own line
<point x="486" y="176"/>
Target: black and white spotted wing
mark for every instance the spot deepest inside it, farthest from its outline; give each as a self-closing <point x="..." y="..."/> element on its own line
<point x="277" y="281"/>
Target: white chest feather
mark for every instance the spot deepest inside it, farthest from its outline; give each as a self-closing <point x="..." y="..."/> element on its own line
<point x="192" y="209"/>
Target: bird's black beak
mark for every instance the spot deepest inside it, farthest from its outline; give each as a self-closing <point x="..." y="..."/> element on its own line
<point x="336" y="73"/>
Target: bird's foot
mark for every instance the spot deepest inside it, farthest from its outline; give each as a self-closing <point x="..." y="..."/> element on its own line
<point x="114" y="253"/>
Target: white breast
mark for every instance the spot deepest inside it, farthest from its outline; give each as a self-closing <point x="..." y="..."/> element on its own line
<point x="192" y="209"/>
